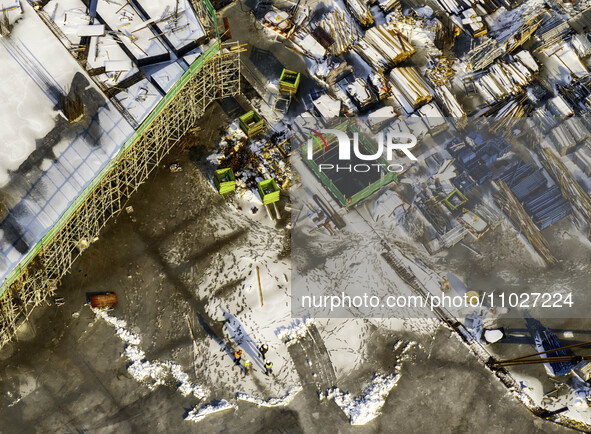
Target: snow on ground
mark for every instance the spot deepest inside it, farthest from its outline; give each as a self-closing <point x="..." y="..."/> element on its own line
<point x="294" y="331"/>
<point x="271" y="402"/>
<point x="366" y="407"/>
<point x="28" y="106"/>
<point x="230" y="290"/>
<point x="152" y="373"/>
<point x="346" y="342"/>
<point x="197" y="414"/>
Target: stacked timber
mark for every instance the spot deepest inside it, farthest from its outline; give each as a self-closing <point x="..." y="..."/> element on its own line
<point x="581" y="45"/>
<point x="383" y="48"/>
<point x="452" y="7"/>
<point x="341" y="29"/>
<point x="409" y="88"/>
<point x="449" y="103"/>
<point x="568" y="134"/>
<point x="578" y="130"/>
<point x="359" y="92"/>
<point x="361" y="12"/>
<point x="474" y="23"/>
<point x="484" y="55"/>
<point x="562" y="139"/>
<point x="455" y="7"/>
<point x="389" y="5"/>
<point x="506" y="78"/>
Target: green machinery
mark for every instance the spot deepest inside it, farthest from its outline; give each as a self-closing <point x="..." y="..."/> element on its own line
<point x="455" y="199"/>
<point x="269" y="191"/>
<point x="289" y="82"/>
<point x="224" y="180"/>
<point x="252" y="123"/>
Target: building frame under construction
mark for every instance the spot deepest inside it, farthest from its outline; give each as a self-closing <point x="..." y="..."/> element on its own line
<point x="213" y="76"/>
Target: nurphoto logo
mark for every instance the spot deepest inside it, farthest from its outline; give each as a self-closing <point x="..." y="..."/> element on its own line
<point x="390" y="142"/>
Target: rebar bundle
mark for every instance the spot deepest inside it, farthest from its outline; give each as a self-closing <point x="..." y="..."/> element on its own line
<point x="570" y="188"/>
<point x="515" y="211"/>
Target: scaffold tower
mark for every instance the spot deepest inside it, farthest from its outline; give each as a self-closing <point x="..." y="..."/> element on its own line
<point x="213" y="76"/>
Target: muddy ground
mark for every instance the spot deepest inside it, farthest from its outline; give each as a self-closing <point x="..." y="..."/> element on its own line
<point x="65" y="373"/>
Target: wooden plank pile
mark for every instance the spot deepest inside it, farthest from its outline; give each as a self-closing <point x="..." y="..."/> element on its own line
<point x="484" y="55"/>
<point x="581" y="45"/>
<point x="383" y="48"/>
<point x="409" y="88"/>
<point x="473" y="23"/>
<point x="522" y="221"/>
<point x="506" y="78"/>
<point x="341" y="29"/>
<point x="455" y="7"/>
<point x="449" y="103"/>
<point x="389" y="5"/>
<point x="361" y="12"/>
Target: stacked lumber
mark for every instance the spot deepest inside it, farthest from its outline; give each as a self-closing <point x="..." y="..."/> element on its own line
<point x="361" y="12"/>
<point x="452" y="7"/>
<point x="581" y="45"/>
<point x="341" y="29"/>
<point x="383" y="48"/>
<point x="474" y="23"/>
<point x="389" y="5"/>
<point x="483" y="55"/>
<point x="409" y="88"/>
<point x="359" y="92"/>
<point x="504" y="79"/>
<point x="448" y="102"/>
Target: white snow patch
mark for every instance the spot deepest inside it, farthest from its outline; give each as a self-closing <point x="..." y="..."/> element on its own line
<point x="271" y="402"/>
<point x="294" y="331"/>
<point x="364" y="408"/>
<point x="120" y="327"/>
<point x="154" y="373"/>
<point x="196" y="415"/>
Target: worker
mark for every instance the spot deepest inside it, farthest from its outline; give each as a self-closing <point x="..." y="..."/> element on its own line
<point x="246" y="367"/>
<point x="237" y="356"/>
<point x="263" y="350"/>
<point x="268" y="366"/>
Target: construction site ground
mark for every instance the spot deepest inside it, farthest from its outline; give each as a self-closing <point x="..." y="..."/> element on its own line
<point x="66" y="374"/>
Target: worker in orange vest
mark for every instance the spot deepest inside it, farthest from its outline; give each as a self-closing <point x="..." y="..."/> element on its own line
<point x="237" y="356"/>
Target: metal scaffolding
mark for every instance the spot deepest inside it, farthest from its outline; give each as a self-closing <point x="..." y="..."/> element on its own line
<point x="570" y="188"/>
<point x="214" y="75"/>
<point x="513" y="208"/>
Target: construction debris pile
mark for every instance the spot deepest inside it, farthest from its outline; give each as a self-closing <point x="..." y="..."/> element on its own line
<point x="254" y="160"/>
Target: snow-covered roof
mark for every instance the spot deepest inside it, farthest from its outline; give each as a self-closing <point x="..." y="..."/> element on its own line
<point x="180" y="26"/>
<point x="36" y="67"/>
